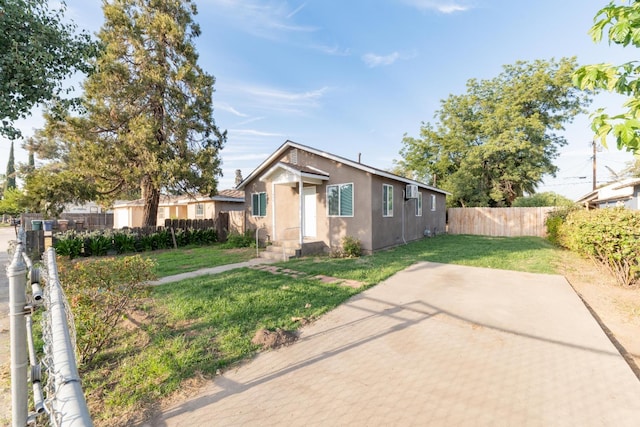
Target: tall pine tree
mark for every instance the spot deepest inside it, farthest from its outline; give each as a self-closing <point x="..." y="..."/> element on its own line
<point x="10" y="176"/>
<point x="149" y="117"/>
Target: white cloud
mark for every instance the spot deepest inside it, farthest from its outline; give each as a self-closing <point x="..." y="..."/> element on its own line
<point x="229" y="109"/>
<point x="442" y="6"/>
<point x="262" y="18"/>
<point x="332" y="50"/>
<point x="372" y="60"/>
<point x="253" y="132"/>
<point x="280" y="100"/>
<point x="298" y="9"/>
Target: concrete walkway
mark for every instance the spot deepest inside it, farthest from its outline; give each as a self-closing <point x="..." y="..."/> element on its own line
<point x="212" y="270"/>
<point x="436" y="345"/>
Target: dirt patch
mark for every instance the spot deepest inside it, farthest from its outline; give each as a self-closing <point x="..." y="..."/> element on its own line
<point x="617" y="309"/>
<point x="273" y="339"/>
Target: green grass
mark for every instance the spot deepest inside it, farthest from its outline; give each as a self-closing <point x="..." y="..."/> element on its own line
<point x="200" y="325"/>
<point x="172" y="262"/>
<point x="531" y="254"/>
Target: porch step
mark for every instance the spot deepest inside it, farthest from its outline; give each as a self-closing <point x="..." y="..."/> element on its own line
<point x="279" y="252"/>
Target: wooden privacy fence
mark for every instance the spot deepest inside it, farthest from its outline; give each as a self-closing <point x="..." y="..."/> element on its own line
<point x="508" y="222"/>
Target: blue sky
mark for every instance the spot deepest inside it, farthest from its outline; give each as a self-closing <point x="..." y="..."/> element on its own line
<point x="353" y="76"/>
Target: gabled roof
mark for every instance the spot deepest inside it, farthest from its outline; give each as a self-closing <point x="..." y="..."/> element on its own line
<point x="369" y="169"/>
<point x="230" y="195"/>
<point x="611" y="191"/>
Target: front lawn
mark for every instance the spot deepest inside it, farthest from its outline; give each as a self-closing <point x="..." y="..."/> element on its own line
<point x="531" y="254"/>
<point x="175" y="261"/>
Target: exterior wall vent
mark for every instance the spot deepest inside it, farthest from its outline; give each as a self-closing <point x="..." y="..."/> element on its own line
<point x="294" y="156"/>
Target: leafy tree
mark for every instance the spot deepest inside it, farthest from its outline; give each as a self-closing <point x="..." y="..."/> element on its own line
<point x="10" y="180"/>
<point x="11" y="202"/>
<point x="494" y="143"/>
<point x="622" y="26"/>
<point x="37" y="52"/>
<point x="548" y="198"/>
<point x="148" y="120"/>
<point x="49" y="188"/>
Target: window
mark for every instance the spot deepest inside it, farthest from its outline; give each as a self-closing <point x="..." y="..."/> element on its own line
<point x="419" y="204"/>
<point x="259" y="204"/>
<point x="433" y="202"/>
<point x="161" y="212"/>
<point x="199" y="210"/>
<point x="387" y="200"/>
<point x="340" y="199"/>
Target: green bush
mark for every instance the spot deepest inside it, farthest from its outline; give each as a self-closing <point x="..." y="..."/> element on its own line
<point x="100" y="292"/>
<point x="610" y="237"/>
<point x="68" y="244"/>
<point x="98" y="243"/>
<point x="351" y="248"/>
<point x="554" y="221"/>
<point x="237" y="240"/>
<point x="124" y="241"/>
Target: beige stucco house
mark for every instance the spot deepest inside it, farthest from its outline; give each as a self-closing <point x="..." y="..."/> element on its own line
<point x="129" y="213"/>
<point x="313" y="198"/>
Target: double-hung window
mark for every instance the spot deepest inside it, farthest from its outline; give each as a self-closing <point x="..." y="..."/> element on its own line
<point x="419" y="204"/>
<point x="340" y="199"/>
<point x="199" y="210"/>
<point x="387" y="200"/>
<point x="259" y="204"/>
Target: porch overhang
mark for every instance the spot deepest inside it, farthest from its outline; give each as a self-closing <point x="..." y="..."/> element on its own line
<point x="291" y="175"/>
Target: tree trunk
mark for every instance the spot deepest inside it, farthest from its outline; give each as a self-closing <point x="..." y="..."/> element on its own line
<point x="151" y="199"/>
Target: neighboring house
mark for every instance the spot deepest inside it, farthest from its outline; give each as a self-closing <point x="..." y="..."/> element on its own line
<point x="625" y="192"/>
<point x="88" y="207"/>
<point x="129" y="213"/>
<point x="306" y="196"/>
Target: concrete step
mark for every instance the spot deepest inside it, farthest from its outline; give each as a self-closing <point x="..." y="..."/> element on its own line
<point x="279" y="253"/>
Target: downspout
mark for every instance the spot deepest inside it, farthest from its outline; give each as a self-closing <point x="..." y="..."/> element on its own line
<point x="273" y="211"/>
<point x="404" y="200"/>
<point x="301" y="184"/>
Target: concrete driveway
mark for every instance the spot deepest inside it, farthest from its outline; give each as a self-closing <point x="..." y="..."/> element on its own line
<point x="434" y="345"/>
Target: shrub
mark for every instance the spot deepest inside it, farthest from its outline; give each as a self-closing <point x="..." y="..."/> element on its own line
<point x="98" y="243"/>
<point x="124" y="241"/>
<point x="351" y="248"/>
<point x="554" y="221"/>
<point x="237" y="240"/>
<point x="610" y="237"/>
<point x="68" y="244"/>
<point x="100" y="292"/>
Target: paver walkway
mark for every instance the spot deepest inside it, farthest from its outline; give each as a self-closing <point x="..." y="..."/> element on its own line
<point x="436" y="345"/>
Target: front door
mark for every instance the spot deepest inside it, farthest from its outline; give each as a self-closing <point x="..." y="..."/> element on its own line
<point x="309" y="211"/>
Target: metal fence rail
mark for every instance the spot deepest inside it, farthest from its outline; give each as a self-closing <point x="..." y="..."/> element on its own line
<point x="65" y="403"/>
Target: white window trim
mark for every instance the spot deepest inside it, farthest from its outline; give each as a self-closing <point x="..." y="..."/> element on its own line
<point x="419" y="204"/>
<point x="433" y="202"/>
<point x="389" y="213"/>
<point x="201" y="206"/>
<point x="353" y="199"/>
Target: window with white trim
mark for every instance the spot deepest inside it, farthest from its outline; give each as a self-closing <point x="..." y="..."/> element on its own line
<point x="387" y="200"/>
<point x="433" y="202"/>
<point x="199" y="210"/>
<point x="161" y="212"/>
<point x="340" y="199"/>
<point x="419" y="204"/>
<point x="259" y="204"/>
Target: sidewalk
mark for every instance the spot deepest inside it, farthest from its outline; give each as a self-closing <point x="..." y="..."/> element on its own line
<point x="205" y="271"/>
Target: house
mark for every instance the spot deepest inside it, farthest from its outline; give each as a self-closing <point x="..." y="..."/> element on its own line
<point x="129" y="213"/>
<point x="311" y="199"/>
<point x="625" y="192"/>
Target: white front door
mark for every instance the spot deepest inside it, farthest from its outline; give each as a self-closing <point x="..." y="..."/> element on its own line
<point x="309" y="211"/>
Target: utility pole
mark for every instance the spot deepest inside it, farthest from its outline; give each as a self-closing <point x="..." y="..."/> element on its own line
<point x="594" y="163"/>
